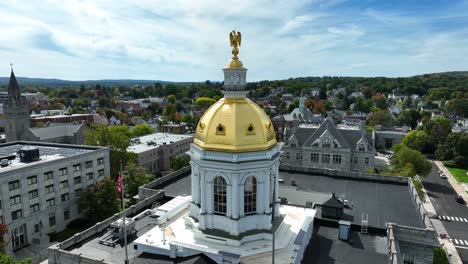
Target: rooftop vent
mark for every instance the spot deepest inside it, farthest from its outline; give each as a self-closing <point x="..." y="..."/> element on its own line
<point x="29" y="154"/>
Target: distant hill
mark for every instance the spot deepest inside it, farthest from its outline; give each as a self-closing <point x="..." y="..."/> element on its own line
<point x="24" y="81"/>
<point x="453" y="74"/>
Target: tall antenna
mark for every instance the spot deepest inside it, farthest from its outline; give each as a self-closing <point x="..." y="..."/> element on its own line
<point x="11" y="66"/>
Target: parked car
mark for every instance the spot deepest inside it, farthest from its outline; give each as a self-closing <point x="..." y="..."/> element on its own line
<point x="443" y="176"/>
<point x="459" y="199"/>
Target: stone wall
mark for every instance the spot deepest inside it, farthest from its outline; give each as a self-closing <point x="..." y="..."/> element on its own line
<point x="422" y="211"/>
<point x="345" y="174"/>
<point x="151" y="188"/>
<point x="58" y="253"/>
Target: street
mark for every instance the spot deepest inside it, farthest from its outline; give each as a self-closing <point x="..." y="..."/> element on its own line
<point x="453" y="215"/>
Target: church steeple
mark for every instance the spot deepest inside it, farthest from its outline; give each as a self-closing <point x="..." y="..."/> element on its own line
<point x="16" y="111"/>
<point x="14" y="91"/>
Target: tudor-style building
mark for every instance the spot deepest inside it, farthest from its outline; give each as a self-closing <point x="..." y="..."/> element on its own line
<point x="330" y="147"/>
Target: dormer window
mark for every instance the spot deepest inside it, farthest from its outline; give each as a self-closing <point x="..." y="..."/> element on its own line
<point x="362" y="147"/>
<point x="335" y="144"/>
<point x="326" y="143"/>
<point x="293" y="144"/>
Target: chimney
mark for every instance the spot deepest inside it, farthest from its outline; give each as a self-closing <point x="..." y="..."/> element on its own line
<point x="362" y="126"/>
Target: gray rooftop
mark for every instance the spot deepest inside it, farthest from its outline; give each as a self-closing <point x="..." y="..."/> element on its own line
<point x="56" y="130"/>
<point x="47" y="152"/>
<point x="155" y="140"/>
<point x="383" y="202"/>
<point x="325" y="247"/>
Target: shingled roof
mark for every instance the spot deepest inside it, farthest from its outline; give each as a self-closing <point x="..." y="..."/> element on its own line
<point x="346" y="137"/>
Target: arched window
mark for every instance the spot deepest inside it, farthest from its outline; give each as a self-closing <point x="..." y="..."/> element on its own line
<point x="326" y="143"/>
<point x="219" y="195"/>
<point x="250" y="195"/>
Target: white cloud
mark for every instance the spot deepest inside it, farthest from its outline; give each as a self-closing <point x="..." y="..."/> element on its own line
<point x="188" y="40"/>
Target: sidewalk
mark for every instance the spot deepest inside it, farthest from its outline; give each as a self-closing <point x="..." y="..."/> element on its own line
<point x="458" y="187"/>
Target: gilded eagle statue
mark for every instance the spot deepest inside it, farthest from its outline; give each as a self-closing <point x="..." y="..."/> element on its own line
<point x="235" y="39"/>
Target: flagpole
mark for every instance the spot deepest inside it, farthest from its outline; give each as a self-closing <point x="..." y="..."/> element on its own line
<point x="272" y="221"/>
<point x="123" y="212"/>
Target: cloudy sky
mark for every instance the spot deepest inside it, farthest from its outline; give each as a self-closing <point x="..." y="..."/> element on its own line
<point x="187" y="40"/>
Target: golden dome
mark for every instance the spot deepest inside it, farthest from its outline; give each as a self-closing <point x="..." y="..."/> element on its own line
<point x="235" y="125"/>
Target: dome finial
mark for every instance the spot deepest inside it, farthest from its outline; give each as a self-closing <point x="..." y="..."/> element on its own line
<point x="235" y="39"/>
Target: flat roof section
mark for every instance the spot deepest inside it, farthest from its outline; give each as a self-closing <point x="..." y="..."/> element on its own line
<point x="155" y="140"/>
<point x="47" y="152"/>
<point x="383" y="202"/>
<point x="325" y="247"/>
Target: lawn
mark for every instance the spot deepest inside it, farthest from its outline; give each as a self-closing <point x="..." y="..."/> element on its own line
<point x="457" y="171"/>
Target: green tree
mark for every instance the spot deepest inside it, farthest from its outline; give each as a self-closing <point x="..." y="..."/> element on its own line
<point x="205" y="102"/>
<point x="438" y="129"/>
<point x="461" y="150"/>
<point x="117" y="138"/>
<point x="141" y="130"/>
<point x="409" y="162"/>
<point x="6" y="259"/>
<point x="135" y="176"/>
<point x="446" y="150"/>
<point x="179" y="162"/>
<point x="362" y="105"/>
<point x="100" y="201"/>
<point x="418" y="140"/>
<point x="408" y="117"/>
<point x="381" y="117"/>
<point x="171" y="98"/>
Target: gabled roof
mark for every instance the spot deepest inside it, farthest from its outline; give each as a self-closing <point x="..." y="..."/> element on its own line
<point x="55" y="131"/>
<point x="347" y="138"/>
<point x="333" y="202"/>
<point x="328" y="126"/>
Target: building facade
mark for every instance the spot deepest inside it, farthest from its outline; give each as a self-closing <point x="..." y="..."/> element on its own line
<point x="39" y="194"/>
<point x="330" y="147"/>
<point x="155" y="151"/>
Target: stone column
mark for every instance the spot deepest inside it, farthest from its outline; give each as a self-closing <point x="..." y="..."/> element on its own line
<point x="235" y="197"/>
<point x="202" y="197"/>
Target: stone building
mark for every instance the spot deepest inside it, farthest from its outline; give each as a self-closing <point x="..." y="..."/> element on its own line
<point x="16" y="110"/>
<point x="330" y="147"/>
<point x="40" y="183"/>
<point x="155" y="151"/>
<point x="18" y="121"/>
<point x="300" y="115"/>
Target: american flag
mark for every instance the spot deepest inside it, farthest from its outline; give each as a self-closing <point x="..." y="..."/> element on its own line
<point x="120" y="182"/>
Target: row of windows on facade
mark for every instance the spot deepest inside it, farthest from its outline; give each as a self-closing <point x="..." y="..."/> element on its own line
<point x="14" y="200"/>
<point x="34" y="208"/>
<point x="336" y="159"/>
<point x="14" y="185"/>
<point x="220" y="195"/>
<point x="52" y="221"/>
